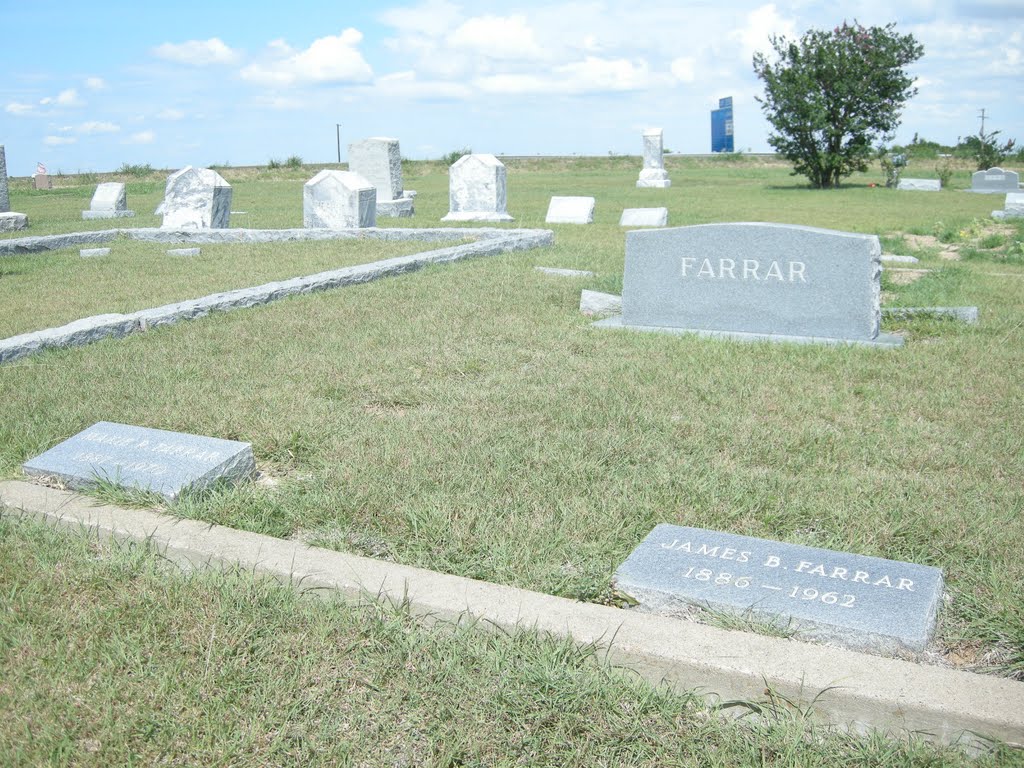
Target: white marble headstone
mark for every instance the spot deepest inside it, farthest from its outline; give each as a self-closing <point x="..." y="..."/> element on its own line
<point x="476" y="190"/>
<point x="653" y="173"/>
<point x="338" y="200"/>
<point x="196" y="198"/>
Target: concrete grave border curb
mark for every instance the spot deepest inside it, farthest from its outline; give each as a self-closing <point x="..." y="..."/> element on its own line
<point x="846" y="688"/>
<point x="489" y="242"/>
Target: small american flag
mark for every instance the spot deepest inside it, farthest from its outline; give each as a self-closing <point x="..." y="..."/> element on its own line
<point x="40" y="169"/>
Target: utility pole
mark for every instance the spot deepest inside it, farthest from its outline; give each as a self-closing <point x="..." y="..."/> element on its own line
<point x="981" y="133"/>
<point x="337" y="130"/>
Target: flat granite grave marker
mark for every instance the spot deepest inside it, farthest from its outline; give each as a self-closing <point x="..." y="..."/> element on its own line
<point x="476" y="189"/>
<point x="919" y="185"/>
<point x="110" y="201"/>
<point x="644" y="217"/>
<point x="196" y="198"/>
<point x="995" y="181"/>
<point x="861" y="602"/>
<point x="338" y="200"/>
<point x="753" y="281"/>
<point x="168" y="463"/>
<point x="570" y="210"/>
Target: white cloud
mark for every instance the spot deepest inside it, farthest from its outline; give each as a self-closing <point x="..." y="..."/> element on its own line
<point x="95" y="83"/>
<point x="96" y="126"/>
<point x="587" y="76"/>
<point x="407" y="85"/>
<point x="497" y="37"/>
<point x="331" y="59"/>
<point x="142" y="137"/>
<point x="683" y="69"/>
<point x="56" y="141"/>
<point x="19" y="109"/>
<point x="170" y="114"/>
<point x="761" y="24"/>
<point x="66" y="98"/>
<point x="199" y="53"/>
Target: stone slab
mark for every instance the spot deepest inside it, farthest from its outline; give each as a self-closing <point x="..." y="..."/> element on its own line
<point x="919" y="185"/>
<point x="91" y="215"/>
<point x="883" y="340"/>
<point x="851" y="690"/>
<point x="12" y="222"/>
<point x="595" y="303"/>
<point x="184" y="251"/>
<point x="995" y="181"/>
<point x="5" y="199"/>
<point x="565" y="272"/>
<point x="402" y="208"/>
<point x="570" y="210"/>
<point x="1013" y="207"/>
<point x="754" y="278"/>
<point x="91" y="252"/>
<point x="644" y="217"/>
<point x="168" y="463"/>
<point x="109" y="196"/>
<point x="899" y="259"/>
<point x="860" y="602"/>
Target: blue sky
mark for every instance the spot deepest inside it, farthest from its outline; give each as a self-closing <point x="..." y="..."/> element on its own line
<point x="91" y="85"/>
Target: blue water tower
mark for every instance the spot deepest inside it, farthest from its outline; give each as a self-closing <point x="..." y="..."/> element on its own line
<point x="721" y="126"/>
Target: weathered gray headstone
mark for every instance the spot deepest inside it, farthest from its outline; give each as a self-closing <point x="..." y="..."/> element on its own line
<point x="196" y="198"/>
<point x="1013" y="207"/>
<point x="570" y="210"/>
<point x="595" y="303"/>
<point x="653" y="174"/>
<point x="754" y="281"/>
<point x="87" y="253"/>
<point x="995" y="181"/>
<point x="184" y="251"/>
<point x="110" y="201"/>
<point x="379" y="161"/>
<point x="644" y="217"/>
<point x="861" y="602"/>
<point x="10" y="221"/>
<point x="919" y="185"/>
<point x="338" y="200"/>
<point x="5" y="200"/>
<point x="476" y="190"/>
<point x="42" y="181"/>
<point x="168" y="463"/>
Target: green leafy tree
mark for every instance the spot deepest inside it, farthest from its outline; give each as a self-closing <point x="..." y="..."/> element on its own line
<point x="831" y="96"/>
<point x="985" y="149"/>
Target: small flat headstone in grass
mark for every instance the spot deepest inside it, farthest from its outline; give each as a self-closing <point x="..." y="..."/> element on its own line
<point x="752" y="281"/>
<point x="570" y="210"/>
<point x="899" y="259"/>
<point x="644" y="217"/>
<point x="168" y="463"/>
<point x="860" y="602"/>
<point x="919" y="185"/>
<point x="995" y="181"/>
<point x="184" y="252"/>
<point x="86" y="253"/>
<point x="11" y="222"/>
<point x="558" y="272"/>
<point x="108" y="202"/>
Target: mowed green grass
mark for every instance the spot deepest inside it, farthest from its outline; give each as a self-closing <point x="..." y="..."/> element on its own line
<point x="467" y="419"/>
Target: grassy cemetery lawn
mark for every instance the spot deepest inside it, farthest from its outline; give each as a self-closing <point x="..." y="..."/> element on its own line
<point x="467" y="418"/>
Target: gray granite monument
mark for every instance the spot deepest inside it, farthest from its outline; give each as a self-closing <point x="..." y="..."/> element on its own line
<point x="379" y="161"/>
<point x="476" y="189"/>
<point x="168" y="463"/>
<point x="753" y="281"/>
<point x="196" y="198"/>
<point x="570" y="210"/>
<point x="860" y="602"/>
<point x="9" y="221"/>
<point x="338" y="200"/>
<point x="653" y="174"/>
<point x="110" y="201"/>
<point x="995" y="181"/>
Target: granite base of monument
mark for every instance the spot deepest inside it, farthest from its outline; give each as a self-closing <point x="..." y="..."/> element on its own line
<point x="860" y="602"/>
<point x="168" y="463"/>
<point x="90" y="215"/>
<point x="402" y="208"/>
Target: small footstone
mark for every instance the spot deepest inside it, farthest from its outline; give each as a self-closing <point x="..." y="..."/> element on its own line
<point x="595" y="303"/>
<point x="88" y="252"/>
<point x="565" y="272"/>
<point x="184" y="252"/>
<point x="899" y="259"/>
<point x="570" y="210"/>
<point x="919" y="185"/>
<point x="11" y="222"/>
<point x="861" y="602"/>
<point x="168" y="463"/>
<point x="644" y="217"/>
